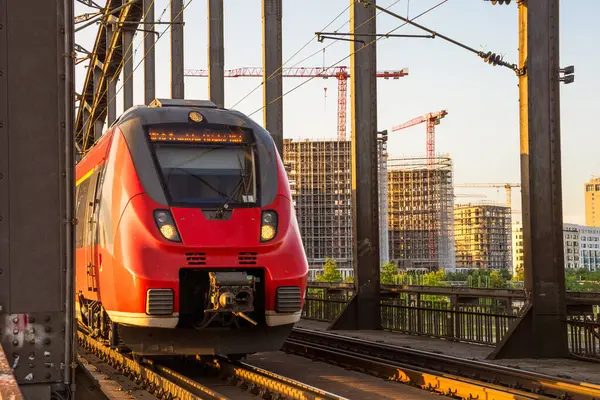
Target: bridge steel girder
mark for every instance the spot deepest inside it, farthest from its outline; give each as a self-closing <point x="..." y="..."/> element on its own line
<point x="541" y="331"/>
<point x="106" y="62"/>
<point x="363" y="311"/>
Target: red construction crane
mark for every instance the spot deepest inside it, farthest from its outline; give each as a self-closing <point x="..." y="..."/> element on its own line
<point x="339" y="72"/>
<point x="432" y="119"/>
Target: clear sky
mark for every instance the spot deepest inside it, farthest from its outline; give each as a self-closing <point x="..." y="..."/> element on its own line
<point x="481" y="130"/>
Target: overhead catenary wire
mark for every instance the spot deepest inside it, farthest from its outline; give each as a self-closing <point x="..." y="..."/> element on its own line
<point x="346" y="57"/>
<point x="313" y="54"/>
<point x="279" y="70"/>
<point x="489" y="57"/>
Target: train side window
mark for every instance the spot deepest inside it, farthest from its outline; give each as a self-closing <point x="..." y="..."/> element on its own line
<point x="82" y="194"/>
<point x="92" y="204"/>
<point x="105" y="223"/>
<point x="97" y="204"/>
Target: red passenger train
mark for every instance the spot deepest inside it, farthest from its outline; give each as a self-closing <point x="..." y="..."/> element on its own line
<point x="187" y="239"/>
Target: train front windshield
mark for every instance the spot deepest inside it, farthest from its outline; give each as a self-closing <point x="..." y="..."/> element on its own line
<point x="207" y="174"/>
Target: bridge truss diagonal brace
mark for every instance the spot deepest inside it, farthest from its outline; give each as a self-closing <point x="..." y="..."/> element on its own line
<point x="106" y="63"/>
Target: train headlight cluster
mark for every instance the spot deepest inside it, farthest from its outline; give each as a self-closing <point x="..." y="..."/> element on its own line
<point x="166" y="225"/>
<point x="268" y="225"/>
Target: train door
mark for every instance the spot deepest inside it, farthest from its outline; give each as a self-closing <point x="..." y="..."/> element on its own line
<point x="93" y="259"/>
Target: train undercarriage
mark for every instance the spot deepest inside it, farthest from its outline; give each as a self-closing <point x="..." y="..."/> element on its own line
<point x="220" y="313"/>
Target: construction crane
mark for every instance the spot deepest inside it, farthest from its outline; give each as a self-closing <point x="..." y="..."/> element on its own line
<point x="340" y="73"/>
<point x="431" y="119"/>
<point x="507" y="186"/>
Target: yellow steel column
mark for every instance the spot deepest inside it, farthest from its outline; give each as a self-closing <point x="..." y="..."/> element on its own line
<point x="524" y="131"/>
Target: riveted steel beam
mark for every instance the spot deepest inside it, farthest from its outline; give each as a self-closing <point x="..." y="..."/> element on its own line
<point x="106" y="62"/>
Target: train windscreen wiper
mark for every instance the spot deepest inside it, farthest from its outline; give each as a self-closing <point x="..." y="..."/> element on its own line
<point x="234" y="192"/>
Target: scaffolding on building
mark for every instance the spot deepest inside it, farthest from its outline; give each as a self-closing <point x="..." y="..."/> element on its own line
<point x="421" y="203"/>
<point x="320" y="176"/>
<point x="382" y="158"/>
<point x="320" y="173"/>
<point x="483" y="235"/>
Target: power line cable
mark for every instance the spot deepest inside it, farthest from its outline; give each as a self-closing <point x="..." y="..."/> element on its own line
<point x="489" y="57"/>
<point x="346" y="57"/>
<point x="279" y="70"/>
<point x="316" y="52"/>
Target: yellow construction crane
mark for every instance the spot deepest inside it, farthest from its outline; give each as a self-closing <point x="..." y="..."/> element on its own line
<point x="507" y="186"/>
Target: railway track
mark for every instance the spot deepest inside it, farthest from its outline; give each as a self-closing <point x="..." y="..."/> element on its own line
<point x="185" y="378"/>
<point x="444" y="374"/>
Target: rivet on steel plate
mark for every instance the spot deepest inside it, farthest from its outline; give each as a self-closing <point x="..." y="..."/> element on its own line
<point x="15" y="320"/>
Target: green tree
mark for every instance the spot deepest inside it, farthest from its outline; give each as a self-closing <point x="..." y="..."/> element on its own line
<point x="434" y="278"/>
<point x="456" y="276"/>
<point x="505" y="274"/>
<point x="349" y="279"/>
<point x="497" y="280"/>
<point x="389" y="272"/>
<point x="331" y="272"/>
<point x="518" y="276"/>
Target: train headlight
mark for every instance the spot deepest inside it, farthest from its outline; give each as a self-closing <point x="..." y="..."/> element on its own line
<point x="268" y="225"/>
<point x="166" y="225"/>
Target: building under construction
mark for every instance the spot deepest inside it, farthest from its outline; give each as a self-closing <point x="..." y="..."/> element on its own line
<point x="420" y="204"/>
<point x="320" y="176"/>
<point x="483" y="235"/>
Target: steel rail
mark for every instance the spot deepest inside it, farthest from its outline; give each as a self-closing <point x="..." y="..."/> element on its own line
<point x="149" y="380"/>
<point x="272" y="382"/>
<point x="427" y="379"/>
<point x="483" y="372"/>
<point x="171" y="382"/>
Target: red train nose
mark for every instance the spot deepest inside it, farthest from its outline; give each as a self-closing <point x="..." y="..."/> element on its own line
<point x="239" y="228"/>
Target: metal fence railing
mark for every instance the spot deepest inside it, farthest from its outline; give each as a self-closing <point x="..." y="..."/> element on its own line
<point x="483" y="320"/>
